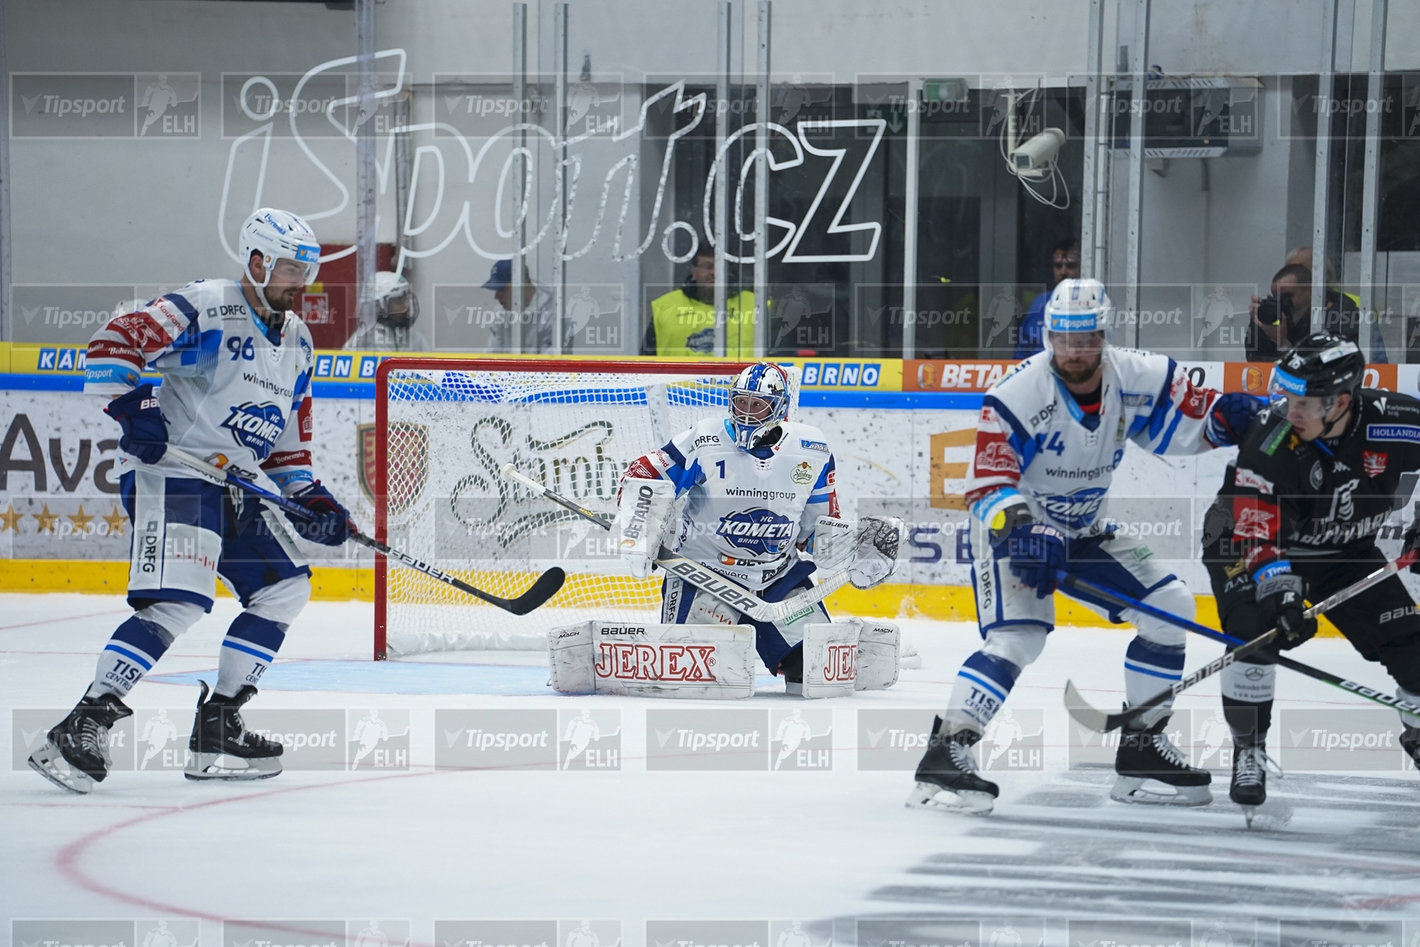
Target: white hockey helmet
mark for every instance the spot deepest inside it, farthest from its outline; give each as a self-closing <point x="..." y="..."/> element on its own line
<point x="279" y="235"/>
<point x="1078" y="305"/>
<point x="759" y="400"/>
<point x="395" y="302"/>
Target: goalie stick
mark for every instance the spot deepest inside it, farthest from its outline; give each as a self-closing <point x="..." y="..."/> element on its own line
<point x="708" y="580"/>
<point x="1098" y="720"/>
<point x="539" y="592"/>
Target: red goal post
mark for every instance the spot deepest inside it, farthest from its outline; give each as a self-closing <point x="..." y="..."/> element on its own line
<point x="444" y="427"/>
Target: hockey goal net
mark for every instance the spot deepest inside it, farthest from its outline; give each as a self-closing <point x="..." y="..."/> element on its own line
<point x="444" y="428"/>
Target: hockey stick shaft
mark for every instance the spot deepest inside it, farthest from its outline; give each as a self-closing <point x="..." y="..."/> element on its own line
<point x="541" y="590"/>
<point x="707" y="580"/>
<point x="1098" y="720"/>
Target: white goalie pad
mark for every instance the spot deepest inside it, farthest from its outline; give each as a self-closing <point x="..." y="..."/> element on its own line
<point x="650" y="660"/>
<point x="830" y="660"/>
<point x="879" y="643"/>
<point x="868" y="549"/>
<point x="855" y="654"/>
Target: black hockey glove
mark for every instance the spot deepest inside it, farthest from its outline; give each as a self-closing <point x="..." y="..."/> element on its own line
<point x="145" y="430"/>
<point x="1279" y="605"/>
<point x="330" y="525"/>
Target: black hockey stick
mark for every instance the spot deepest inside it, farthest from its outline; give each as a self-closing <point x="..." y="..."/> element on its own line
<point x="708" y="580"/>
<point x="541" y="590"/>
<point x="1096" y="719"/>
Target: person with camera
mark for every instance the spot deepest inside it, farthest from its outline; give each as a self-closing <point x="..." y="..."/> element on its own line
<point x="1283" y="319"/>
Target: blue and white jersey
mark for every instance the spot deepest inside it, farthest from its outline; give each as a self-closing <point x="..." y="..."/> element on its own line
<point x="230" y="385"/>
<point x="745" y="516"/>
<point x="1036" y="445"/>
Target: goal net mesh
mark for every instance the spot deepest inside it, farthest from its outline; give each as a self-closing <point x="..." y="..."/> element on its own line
<point x="445" y="429"/>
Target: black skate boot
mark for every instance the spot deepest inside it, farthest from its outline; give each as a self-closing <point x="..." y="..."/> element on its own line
<point x="1147" y="754"/>
<point x="1249" y="785"/>
<point x="792" y="670"/>
<point x="75" y="754"/>
<point x="946" y="777"/>
<point x="1410" y="741"/>
<point x="221" y="747"/>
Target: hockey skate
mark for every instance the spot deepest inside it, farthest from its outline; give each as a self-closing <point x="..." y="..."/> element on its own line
<point x="792" y="670"/>
<point x="1410" y="742"/>
<point x="221" y="747"/>
<point x="75" y="754"/>
<point x="946" y="777"/>
<point x="1147" y="756"/>
<point x="1249" y="785"/>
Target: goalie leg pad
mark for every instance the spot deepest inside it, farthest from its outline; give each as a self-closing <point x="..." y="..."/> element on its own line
<point x="830" y="660"/>
<point x="649" y="660"/>
<point x="879" y="647"/>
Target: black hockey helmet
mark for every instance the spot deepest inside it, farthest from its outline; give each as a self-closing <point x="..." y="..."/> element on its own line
<point x="1322" y="365"/>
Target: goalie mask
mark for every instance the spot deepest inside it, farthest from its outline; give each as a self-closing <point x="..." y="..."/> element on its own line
<point x="759" y="400"/>
<point x="279" y="235"/>
<point x="396" y="306"/>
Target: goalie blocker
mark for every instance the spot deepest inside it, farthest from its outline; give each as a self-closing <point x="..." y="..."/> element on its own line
<point x="715" y="661"/>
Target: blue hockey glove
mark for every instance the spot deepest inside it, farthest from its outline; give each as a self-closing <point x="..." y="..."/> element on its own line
<point x="1035" y="552"/>
<point x="331" y="525"/>
<point x="1230" y="417"/>
<point x="145" y="430"/>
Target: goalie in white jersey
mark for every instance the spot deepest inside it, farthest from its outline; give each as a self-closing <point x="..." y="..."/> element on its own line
<point x="1050" y="436"/>
<point x="759" y="487"/>
<point x="236" y="363"/>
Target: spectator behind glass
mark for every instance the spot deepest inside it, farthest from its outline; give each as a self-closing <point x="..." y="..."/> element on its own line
<point x="1283" y="319"/>
<point x="1064" y="264"/>
<point x="683" y="321"/>
<point x="530" y="314"/>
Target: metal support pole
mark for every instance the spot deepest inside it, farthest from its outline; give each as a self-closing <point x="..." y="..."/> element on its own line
<point x="1325" y="87"/>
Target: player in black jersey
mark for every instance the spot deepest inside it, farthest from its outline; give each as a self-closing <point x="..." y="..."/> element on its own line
<point x="1316" y="476"/>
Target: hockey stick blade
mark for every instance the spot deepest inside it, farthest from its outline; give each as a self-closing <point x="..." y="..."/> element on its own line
<point x="546" y="585"/>
<point x="707" y="580"/>
<point x="1093" y="718"/>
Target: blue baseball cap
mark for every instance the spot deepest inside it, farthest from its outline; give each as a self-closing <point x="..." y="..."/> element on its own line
<point x="501" y="275"/>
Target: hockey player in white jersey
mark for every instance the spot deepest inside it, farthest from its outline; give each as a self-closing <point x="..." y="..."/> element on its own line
<point x="756" y="484"/>
<point x="236" y="363"/>
<point x="1050" y="436"/>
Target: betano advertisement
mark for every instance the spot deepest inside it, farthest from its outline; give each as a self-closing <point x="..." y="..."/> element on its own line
<point x="901" y="450"/>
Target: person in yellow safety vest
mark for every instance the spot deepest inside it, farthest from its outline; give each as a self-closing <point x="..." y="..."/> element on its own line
<point x="683" y="320"/>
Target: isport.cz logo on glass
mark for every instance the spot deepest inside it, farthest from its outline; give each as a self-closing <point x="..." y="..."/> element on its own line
<point x="115" y="105"/>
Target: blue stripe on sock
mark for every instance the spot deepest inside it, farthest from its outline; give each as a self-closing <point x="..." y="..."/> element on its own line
<point x="999" y="670"/>
<point x="1141" y="669"/>
<point x="133" y="656"/>
<point x="140" y="636"/>
<point x="264" y="655"/>
<point x="984" y="684"/>
<point x="258" y="631"/>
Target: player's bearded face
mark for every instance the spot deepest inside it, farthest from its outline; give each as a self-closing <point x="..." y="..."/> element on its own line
<point x="1077" y="355"/>
<point x="283" y="289"/>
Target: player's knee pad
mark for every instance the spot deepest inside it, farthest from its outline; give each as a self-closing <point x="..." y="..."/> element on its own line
<point x="170" y="618"/>
<point x="1019" y="644"/>
<point x="281" y="602"/>
<point x="1172" y="597"/>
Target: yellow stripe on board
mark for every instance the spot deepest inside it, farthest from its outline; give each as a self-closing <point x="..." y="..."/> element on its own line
<point x="340" y="584"/>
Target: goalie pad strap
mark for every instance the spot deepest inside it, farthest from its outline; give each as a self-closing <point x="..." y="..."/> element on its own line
<point x="650" y="660"/>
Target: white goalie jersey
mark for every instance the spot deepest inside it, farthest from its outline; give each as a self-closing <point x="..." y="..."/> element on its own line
<point x="1034" y="443"/>
<point x="746" y="516"/>
<point x="230" y="385"/>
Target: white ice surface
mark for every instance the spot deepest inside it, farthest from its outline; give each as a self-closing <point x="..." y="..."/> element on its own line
<point x="691" y="857"/>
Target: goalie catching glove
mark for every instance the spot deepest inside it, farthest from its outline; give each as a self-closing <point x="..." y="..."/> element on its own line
<point x="867" y="549"/>
<point x="641" y="517"/>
